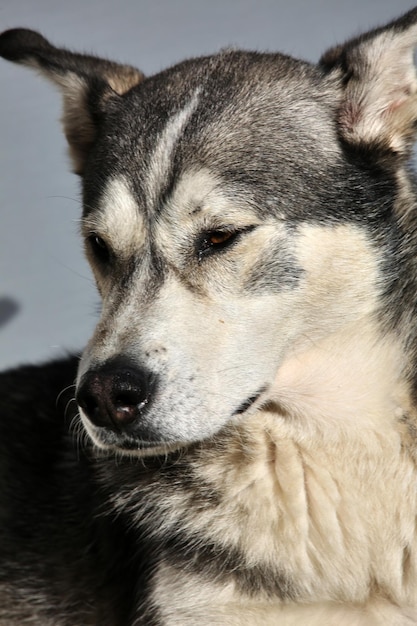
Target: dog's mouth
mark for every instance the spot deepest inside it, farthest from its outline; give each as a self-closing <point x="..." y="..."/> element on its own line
<point x="146" y="448"/>
<point x="137" y="440"/>
<point x="252" y="403"/>
<point x="131" y="445"/>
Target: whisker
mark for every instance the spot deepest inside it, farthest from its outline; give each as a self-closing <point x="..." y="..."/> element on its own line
<point x="59" y="396"/>
<point x="80" y="434"/>
<point x="59" y="197"/>
<point x="68" y="405"/>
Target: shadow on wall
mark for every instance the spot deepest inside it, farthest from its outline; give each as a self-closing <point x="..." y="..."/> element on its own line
<point x="8" y="309"/>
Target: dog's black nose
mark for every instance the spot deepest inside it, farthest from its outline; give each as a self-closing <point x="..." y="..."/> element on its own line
<point x="115" y="394"/>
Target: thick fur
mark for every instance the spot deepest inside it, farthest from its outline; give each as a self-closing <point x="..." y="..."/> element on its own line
<point x="243" y="451"/>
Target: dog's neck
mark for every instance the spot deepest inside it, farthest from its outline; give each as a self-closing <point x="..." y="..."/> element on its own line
<point x="337" y="426"/>
<point x="352" y="380"/>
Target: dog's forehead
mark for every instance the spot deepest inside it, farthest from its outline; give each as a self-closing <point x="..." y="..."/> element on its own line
<point x="246" y="117"/>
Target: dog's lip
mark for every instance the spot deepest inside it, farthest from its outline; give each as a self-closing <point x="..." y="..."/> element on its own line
<point x="142" y="448"/>
<point x="139" y="444"/>
<point x="249" y="402"/>
<point x="131" y="445"/>
<point x="147" y="450"/>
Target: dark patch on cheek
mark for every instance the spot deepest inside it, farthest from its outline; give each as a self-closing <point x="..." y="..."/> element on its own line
<point x="275" y="271"/>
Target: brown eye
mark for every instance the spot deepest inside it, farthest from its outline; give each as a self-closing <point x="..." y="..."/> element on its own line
<point x="218" y="237"/>
<point x="215" y="241"/>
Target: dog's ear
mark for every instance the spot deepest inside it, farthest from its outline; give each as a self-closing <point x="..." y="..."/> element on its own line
<point x="87" y="84"/>
<point x="378" y="109"/>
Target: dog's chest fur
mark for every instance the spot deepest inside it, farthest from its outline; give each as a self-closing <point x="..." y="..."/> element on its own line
<point x="314" y="509"/>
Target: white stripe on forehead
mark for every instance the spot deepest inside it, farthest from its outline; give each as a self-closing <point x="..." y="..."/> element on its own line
<point x="161" y="157"/>
<point x="118" y="219"/>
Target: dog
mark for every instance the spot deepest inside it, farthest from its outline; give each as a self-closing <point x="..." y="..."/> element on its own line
<point x="237" y="444"/>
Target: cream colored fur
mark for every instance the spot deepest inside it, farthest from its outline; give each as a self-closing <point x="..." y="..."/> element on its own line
<point x="328" y="477"/>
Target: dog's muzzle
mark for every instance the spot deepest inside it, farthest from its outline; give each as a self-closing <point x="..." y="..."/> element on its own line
<point x="116" y="394"/>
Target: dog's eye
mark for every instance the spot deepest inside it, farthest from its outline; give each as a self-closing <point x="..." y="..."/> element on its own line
<point x="218" y="240"/>
<point x="99" y="248"/>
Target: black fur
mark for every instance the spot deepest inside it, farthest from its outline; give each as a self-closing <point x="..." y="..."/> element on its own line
<point x="52" y="504"/>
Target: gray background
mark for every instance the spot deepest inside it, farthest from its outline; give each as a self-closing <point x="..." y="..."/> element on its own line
<point x="48" y="303"/>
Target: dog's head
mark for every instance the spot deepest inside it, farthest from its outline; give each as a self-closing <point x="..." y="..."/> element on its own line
<point x="236" y="208"/>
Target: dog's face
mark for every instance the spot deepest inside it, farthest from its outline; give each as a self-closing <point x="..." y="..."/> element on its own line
<point x="215" y="236"/>
<point x="208" y="241"/>
<point x="234" y="210"/>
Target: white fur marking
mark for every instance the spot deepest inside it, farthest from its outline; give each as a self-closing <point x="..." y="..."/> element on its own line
<point x="162" y="154"/>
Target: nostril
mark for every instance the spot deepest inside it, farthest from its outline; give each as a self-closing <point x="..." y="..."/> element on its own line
<point x="129" y="404"/>
<point x="114" y="396"/>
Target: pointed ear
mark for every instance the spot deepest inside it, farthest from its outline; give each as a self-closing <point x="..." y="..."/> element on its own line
<point x="86" y="83"/>
<point x="378" y="109"/>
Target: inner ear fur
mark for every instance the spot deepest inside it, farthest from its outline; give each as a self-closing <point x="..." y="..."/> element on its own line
<point x="85" y="81"/>
<point x="379" y="100"/>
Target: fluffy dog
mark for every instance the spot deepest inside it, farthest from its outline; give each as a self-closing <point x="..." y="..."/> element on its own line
<point x="250" y="390"/>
